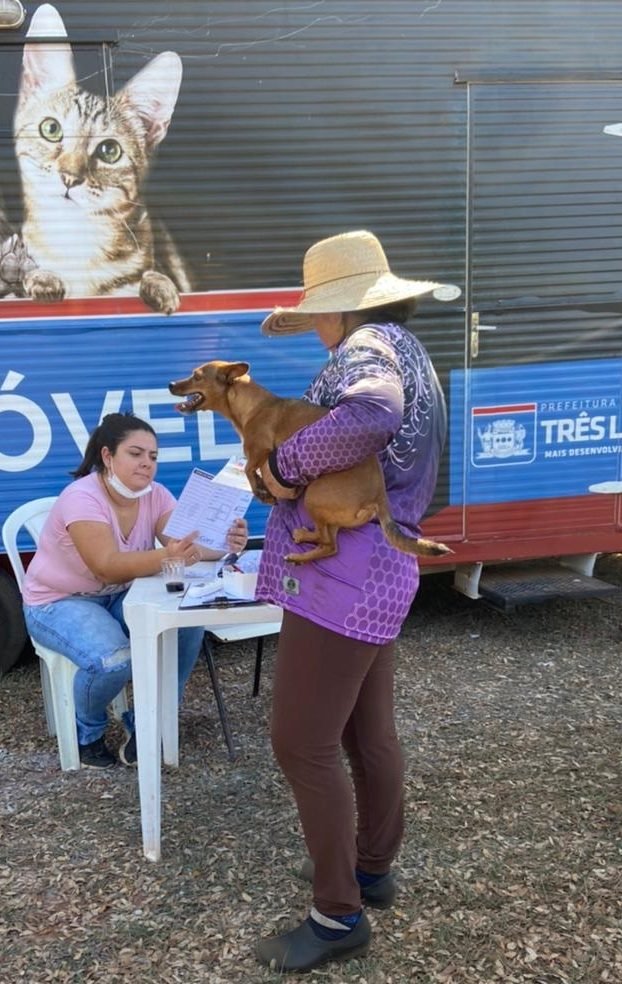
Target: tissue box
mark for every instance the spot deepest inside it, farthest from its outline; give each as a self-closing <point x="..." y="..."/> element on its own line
<point x="239" y="585"/>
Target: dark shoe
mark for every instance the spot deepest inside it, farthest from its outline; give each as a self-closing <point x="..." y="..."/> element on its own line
<point x="96" y="755"/>
<point x="302" y="950"/>
<point x="127" y="751"/>
<point x="380" y="895"/>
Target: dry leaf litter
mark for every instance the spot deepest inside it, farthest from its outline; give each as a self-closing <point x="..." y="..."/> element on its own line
<point x="511" y="870"/>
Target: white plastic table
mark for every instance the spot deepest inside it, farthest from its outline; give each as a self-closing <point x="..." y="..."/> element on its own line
<point x="153" y="617"/>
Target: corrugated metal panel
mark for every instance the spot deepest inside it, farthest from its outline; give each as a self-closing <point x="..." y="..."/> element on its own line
<point x="294" y="122"/>
<point x="298" y="120"/>
<point x="546" y="220"/>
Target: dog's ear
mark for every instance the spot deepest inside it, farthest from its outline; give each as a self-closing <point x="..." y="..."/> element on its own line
<point x="235" y="369"/>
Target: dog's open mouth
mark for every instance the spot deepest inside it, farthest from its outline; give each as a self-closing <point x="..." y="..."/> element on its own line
<point x="191" y="404"/>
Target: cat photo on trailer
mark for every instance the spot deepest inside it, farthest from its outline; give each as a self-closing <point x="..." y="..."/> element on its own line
<point x="82" y="160"/>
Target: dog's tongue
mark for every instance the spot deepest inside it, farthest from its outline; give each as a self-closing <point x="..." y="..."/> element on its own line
<point x="189" y="403"/>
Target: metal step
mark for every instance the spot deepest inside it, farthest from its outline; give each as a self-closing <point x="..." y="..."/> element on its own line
<point x="506" y="587"/>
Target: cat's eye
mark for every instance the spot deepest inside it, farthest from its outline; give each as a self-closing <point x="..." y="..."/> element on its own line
<point x="108" y="151"/>
<point x="50" y="129"/>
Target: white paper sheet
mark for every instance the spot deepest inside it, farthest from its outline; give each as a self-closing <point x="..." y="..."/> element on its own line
<point x="233" y="473"/>
<point x="208" y="506"/>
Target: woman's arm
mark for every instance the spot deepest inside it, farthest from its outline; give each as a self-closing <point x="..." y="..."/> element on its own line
<point x="353" y="430"/>
<point x="367" y="398"/>
<point x="97" y="547"/>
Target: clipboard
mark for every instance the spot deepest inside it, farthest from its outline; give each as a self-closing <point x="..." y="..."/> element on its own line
<point x="221" y="601"/>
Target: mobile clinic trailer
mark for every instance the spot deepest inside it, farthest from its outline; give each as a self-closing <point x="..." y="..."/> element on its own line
<point x="477" y="139"/>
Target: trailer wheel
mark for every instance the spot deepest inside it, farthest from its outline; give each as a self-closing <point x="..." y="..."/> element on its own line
<point x="13" y="632"/>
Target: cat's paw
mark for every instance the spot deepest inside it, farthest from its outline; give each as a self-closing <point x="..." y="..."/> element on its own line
<point x="41" y="285"/>
<point x="159" y="292"/>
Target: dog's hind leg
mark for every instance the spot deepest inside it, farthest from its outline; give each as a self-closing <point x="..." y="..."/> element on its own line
<point x="303" y="535"/>
<point x="326" y="538"/>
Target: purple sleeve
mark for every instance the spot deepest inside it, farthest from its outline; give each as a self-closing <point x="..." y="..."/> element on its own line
<point x="359" y="425"/>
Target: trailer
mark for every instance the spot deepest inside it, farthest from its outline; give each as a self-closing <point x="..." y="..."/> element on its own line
<point x="478" y="140"/>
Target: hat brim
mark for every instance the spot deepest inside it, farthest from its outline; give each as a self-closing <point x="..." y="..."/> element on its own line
<point x="353" y="294"/>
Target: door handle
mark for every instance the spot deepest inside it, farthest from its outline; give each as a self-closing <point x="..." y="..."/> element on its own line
<point x="476" y="327"/>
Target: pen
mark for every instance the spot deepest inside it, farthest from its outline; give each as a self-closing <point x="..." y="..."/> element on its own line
<point x="228" y="561"/>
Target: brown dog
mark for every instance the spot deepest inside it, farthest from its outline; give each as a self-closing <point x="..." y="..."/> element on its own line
<point x="339" y="499"/>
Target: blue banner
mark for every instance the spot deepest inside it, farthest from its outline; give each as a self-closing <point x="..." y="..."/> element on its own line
<point x="539" y="431"/>
<point x="58" y="378"/>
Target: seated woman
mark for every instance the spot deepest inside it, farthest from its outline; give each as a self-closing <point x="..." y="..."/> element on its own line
<point x="98" y="537"/>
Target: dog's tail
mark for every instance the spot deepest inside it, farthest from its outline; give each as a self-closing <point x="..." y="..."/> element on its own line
<point x="411" y="544"/>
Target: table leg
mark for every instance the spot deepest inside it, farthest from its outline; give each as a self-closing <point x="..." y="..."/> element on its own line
<point x="170" y="700"/>
<point x="147" y="711"/>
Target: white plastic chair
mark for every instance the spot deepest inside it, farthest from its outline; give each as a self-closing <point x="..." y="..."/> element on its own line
<point x="57" y="672"/>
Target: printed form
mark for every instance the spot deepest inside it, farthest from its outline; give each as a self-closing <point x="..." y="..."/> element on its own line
<point x="210" y="506"/>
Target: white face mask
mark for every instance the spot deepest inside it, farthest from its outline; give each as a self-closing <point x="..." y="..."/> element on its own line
<point x="116" y="484"/>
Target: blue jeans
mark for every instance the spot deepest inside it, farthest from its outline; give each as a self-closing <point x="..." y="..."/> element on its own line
<point x="91" y="632"/>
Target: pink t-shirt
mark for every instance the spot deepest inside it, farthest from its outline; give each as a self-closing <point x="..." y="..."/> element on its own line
<point x="57" y="570"/>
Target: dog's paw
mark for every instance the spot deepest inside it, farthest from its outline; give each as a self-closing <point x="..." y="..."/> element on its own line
<point x="264" y="496"/>
<point x="260" y="491"/>
<point x="41" y="285"/>
<point x="158" y="292"/>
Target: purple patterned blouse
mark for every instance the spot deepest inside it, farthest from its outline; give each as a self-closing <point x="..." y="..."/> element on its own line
<point x="385" y="399"/>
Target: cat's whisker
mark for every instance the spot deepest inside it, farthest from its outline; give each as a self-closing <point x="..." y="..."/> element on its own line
<point x="126" y="226"/>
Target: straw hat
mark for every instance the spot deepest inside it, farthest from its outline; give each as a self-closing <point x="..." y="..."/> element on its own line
<point x="349" y="272"/>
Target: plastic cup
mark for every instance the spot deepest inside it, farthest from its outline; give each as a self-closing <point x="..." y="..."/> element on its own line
<point x="173" y="574"/>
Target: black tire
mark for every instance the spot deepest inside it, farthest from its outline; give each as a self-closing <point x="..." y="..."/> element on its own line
<point x="13" y="633"/>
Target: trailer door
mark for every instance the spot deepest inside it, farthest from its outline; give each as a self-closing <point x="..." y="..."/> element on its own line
<point x="542" y="396"/>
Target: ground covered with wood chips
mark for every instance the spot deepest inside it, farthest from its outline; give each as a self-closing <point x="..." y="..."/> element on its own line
<point x="511" y="869"/>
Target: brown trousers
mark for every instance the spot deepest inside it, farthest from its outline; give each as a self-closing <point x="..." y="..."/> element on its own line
<point x="332" y="692"/>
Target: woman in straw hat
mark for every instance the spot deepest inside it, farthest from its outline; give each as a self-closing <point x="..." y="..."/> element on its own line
<point x="333" y="685"/>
